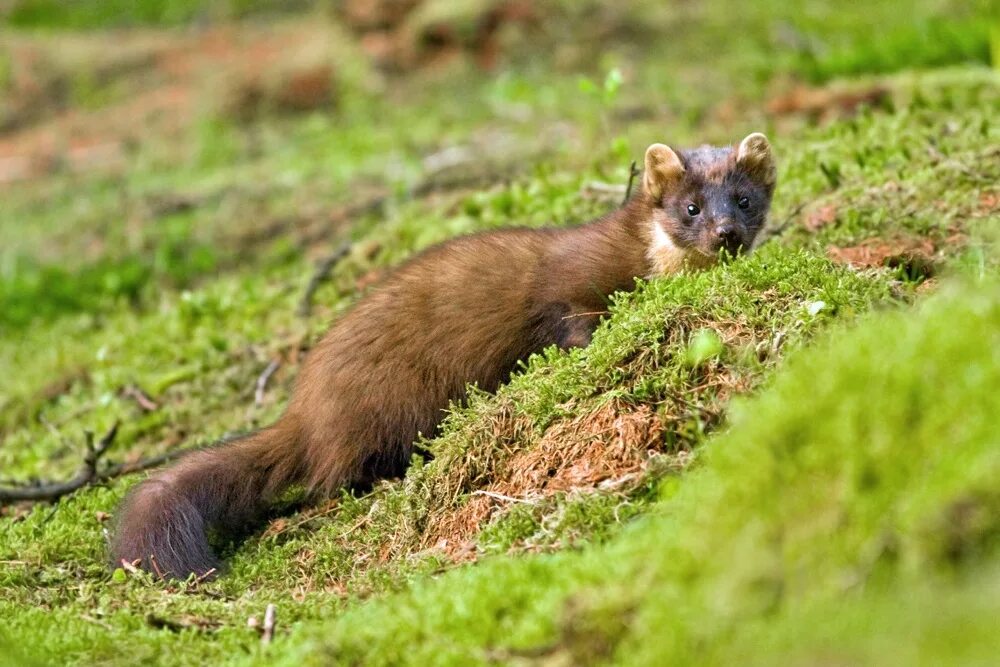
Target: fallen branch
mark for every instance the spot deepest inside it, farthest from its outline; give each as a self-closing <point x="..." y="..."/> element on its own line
<point x="56" y="490"/>
<point x="323" y="270"/>
<point x="86" y="475"/>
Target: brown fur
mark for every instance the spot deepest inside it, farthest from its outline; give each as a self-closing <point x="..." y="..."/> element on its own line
<point x="464" y="312"/>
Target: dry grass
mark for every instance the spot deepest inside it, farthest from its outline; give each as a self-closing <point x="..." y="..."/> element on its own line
<point x="608" y="442"/>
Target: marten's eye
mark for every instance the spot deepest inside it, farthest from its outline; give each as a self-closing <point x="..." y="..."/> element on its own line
<point x="743" y="203"/>
<point x="693" y="210"/>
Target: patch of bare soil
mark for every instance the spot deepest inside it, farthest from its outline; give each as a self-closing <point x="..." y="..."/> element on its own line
<point x="821" y="217"/>
<point x="915" y="256"/>
<point x="400" y="35"/>
<point x="827" y="102"/>
<point x="612" y="443"/>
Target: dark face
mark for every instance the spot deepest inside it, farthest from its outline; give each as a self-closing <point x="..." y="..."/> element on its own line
<point x="717" y="207"/>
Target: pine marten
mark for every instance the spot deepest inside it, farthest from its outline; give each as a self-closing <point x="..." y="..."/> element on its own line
<point x="463" y="312"/>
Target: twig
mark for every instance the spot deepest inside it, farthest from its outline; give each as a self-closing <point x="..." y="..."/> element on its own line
<point x="131" y="566"/>
<point x="320" y="274"/>
<point x="156" y="567"/>
<point x="119" y="469"/>
<point x="54" y="491"/>
<point x="500" y="496"/>
<point x="258" y="396"/>
<point x="633" y="171"/>
<point x="86" y="475"/>
<point x="268" y="625"/>
<point x="202" y="577"/>
<point x="140" y="397"/>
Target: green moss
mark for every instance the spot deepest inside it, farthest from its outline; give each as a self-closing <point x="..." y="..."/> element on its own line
<point x="116" y="13"/>
<point x="935" y="42"/>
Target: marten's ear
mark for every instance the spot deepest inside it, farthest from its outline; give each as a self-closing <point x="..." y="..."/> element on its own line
<point x="663" y="169"/>
<point x="755" y="156"/>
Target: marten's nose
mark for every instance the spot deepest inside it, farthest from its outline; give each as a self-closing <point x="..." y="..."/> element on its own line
<point x="727" y="234"/>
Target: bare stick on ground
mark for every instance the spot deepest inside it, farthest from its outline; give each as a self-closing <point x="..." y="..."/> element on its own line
<point x="269" y="621"/>
<point x="207" y="574"/>
<point x="323" y="270"/>
<point x="258" y="395"/>
<point x="141" y="398"/>
<point x="86" y="475"/>
<point x="500" y="496"/>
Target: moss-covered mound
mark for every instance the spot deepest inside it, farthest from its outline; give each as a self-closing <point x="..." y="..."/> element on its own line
<point x="850" y="515"/>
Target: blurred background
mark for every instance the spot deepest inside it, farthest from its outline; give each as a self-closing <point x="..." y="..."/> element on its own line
<point x="148" y="144"/>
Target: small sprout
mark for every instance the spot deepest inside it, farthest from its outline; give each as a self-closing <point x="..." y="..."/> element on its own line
<point x="612" y="82"/>
<point x="705" y="344"/>
<point x="119" y="576"/>
<point x="605" y="92"/>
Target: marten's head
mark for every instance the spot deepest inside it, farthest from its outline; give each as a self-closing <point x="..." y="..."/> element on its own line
<point x="706" y="202"/>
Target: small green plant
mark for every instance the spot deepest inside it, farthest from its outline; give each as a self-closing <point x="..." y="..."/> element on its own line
<point x="704" y="345"/>
<point x="604" y="96"/>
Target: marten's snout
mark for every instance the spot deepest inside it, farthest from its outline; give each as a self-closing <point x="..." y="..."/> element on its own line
<point x="728" y="236"/>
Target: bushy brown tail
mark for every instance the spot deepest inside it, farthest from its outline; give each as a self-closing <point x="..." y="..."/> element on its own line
<point x="166" y="518"/>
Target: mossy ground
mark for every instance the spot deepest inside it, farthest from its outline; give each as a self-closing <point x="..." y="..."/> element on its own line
<point x="613" y="504"/>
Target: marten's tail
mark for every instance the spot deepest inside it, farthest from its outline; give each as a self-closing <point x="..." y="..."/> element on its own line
<point x="164" y="521"/>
